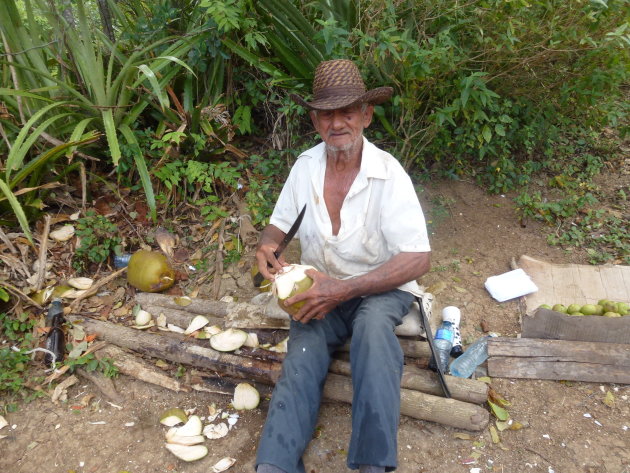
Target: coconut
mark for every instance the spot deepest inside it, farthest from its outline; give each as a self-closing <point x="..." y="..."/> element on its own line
<point x="245" y="397"/>
<point x="228" y="340"/>
<point x="223" y="464"/>
<point x="149" y="271"/>
<point x="216" y="431"/>
<point x="290" y="281"/>
<point x="197" y="323"/>
<point x="187" y="453"/>
<point x="191" y="428"/>
<point x="143" y="318"/>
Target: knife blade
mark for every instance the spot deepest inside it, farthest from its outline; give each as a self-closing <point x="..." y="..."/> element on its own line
<point x="259" y="278"/>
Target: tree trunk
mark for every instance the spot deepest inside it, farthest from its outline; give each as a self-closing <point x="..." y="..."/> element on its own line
<point x="106" y="19"/>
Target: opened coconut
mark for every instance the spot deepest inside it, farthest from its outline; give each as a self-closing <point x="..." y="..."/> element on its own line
<point x="150" y="271"/>
<point x="292" y="280"/>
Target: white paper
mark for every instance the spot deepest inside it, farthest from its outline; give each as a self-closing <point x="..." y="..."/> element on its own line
<point x="510" y="285"/>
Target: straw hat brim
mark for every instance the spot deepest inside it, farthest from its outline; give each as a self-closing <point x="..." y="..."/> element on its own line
<point x="374" y="96"/>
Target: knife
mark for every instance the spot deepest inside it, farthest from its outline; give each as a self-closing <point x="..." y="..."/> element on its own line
<point x="259" y="278"/>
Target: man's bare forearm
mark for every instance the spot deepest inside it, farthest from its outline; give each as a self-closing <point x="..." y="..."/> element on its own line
<point x="400" y="269"/>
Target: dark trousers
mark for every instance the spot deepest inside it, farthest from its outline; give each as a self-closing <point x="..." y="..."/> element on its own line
<point x="376" y="360"/>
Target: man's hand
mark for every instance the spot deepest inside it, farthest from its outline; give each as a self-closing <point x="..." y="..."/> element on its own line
<point x="268" y="264"/>
<point x="322" y="297"/>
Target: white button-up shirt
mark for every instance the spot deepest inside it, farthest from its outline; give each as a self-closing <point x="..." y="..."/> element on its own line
<point x="380" y="217"/>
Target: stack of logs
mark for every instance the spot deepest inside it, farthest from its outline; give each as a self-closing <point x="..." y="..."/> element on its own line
<point x="421" y="394"/>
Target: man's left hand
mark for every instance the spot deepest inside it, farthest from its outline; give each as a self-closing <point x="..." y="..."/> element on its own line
<point x="322" y="297"/>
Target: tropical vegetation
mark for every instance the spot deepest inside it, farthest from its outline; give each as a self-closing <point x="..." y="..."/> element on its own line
<point x="186" y="102"/>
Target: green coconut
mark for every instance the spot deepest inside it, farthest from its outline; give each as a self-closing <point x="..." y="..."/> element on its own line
<point x="150" y="271"/>
<point x="623" y="308"/>
<point x="590" y="309"/>
<point x="559" y="308"/>
<point x="612" y="314"/>
<point x="573" y="308"/>
<point x="290" y="282"/>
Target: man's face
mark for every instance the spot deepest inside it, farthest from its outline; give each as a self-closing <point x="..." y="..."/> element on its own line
<point x="342" y="129"/>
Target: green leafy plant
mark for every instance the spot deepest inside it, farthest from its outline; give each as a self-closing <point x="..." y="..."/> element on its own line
<point x="99" y="238"/>
<point x="14" y="364"/>
<point x="91" y="363"/>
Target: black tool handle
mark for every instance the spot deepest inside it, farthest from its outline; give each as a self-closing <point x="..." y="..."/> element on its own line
<point x="258" y="277"/>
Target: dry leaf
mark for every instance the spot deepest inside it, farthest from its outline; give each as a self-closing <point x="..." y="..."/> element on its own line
<point x="609" y="399"/>
<point x="166" y="241"/>
<point x="498" y="411"/>
<point x="494" y="434"/>
<point x="462" y="436"/>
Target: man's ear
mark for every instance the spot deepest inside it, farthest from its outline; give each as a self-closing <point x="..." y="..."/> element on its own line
<point x="368" y="114"/>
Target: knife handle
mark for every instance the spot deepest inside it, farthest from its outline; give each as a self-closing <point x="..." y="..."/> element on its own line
<point x="258" y="277"/>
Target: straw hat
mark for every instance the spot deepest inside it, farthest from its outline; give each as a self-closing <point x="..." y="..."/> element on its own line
<point x="338" y="84"/>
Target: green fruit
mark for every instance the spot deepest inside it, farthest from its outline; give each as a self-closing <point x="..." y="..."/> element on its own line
<point x="149" y="271"/>
<point x="589" y="309"/>
<point x="575" y="313"/>
<point x="612" y="314"/>
<point x="559" y="308"/>
<point x="623" y="308"/>
<point x="545" y="306"/>
<point x="573" y="308"/>
<point x="600" y="310"/>
<point x="609" y="306"/>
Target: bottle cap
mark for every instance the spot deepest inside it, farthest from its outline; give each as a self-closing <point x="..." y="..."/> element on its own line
<point x="451" y="314"/>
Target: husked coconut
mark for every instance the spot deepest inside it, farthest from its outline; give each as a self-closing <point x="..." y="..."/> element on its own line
<point x="292" y="280"/>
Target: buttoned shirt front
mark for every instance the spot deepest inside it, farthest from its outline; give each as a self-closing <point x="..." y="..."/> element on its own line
<point x="380" y="216"/>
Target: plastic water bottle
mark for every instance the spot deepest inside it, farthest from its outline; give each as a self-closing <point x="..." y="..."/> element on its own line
<point x="444" y="336"/>
<point x="475" y="354"/>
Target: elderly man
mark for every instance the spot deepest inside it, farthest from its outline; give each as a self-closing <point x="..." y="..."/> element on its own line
<point x="365" y="233"/>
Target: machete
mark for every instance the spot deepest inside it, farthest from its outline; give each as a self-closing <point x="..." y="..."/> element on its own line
<point x="259" y="278"/>
<point x="429" y="336"/>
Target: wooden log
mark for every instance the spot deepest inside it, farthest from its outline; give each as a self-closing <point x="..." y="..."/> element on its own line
<point x="559" y="359"/>
<point x="137" y="368"/>
<point x="181" y="318"/>
<point x="467" y="390"/>
<point x="415" y="404"/>
<point x="241" y="315"/>
<point x="181" y="351"/>
<point x="197" y="306"/>
<point x="458" y="414"/>
<point x="410" y="348"/>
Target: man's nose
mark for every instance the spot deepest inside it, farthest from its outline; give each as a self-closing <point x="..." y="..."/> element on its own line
<point x="338" y="121"/>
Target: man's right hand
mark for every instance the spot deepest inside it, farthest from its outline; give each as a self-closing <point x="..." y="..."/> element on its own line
<point x="268" y="264"/>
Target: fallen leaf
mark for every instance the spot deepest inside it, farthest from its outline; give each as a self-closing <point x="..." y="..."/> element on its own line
<point x="462" y="436"/>
<point x="61" y="388"/>
<point x="498" y="411"/>
<point x="494" y="434"/>
<point x="609" y="399"/>
<point x="85" y="400"/>
<point x="502" y="425"/>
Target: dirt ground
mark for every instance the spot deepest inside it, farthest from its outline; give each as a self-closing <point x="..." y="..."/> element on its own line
<point x="568" y="428"/>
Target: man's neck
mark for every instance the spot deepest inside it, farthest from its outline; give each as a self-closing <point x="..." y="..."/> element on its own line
<point x="345" y="160"/>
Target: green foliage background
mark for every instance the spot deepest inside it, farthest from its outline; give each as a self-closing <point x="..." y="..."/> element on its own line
<point x="189" y="100"/>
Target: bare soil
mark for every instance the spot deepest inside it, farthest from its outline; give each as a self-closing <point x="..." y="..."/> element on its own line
<point x="568" y="428"/>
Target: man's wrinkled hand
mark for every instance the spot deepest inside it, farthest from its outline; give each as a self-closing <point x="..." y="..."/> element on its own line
<point x="268" y="264"/>
<point x="324" y="295"/>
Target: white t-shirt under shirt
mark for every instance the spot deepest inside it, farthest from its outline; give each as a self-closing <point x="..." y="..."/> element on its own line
<point x="380" y="217"/>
